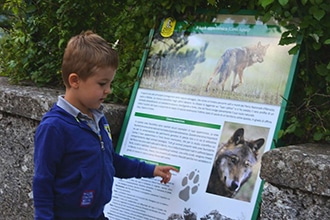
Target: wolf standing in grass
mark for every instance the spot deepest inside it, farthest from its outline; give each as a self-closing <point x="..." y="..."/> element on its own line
<point x="236" y="60"/>
<point x="233" y="164"/>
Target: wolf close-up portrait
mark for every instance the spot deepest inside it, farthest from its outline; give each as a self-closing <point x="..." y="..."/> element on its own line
<point x="237" y="161"/>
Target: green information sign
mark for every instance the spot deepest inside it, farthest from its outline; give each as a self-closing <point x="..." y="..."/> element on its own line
<point x="210" y="100"/>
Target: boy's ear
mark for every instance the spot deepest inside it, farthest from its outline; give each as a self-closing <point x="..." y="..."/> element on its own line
<point x="74" y="80"/>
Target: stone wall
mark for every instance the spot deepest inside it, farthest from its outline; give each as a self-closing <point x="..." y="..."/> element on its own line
<point x="297" y="183"/>
<point x="297" y="178"/>
<point x="21" y="109"/>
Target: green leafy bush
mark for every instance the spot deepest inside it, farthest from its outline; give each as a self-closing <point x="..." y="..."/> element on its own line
<point x="32" y="49"/>
<point x="308" y="113"/>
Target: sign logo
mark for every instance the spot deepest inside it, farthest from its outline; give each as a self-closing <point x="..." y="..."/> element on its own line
<point x="168" y="27"/>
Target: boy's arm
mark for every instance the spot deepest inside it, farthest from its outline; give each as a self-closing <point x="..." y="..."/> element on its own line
<point x="46" y="155"/>
<point x="127" y="168"/>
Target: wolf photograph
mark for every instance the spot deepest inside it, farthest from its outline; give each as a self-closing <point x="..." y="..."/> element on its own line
<point x="234" y="61"/>
<point x="236" y="161"/>
<point x="231" y="67"/>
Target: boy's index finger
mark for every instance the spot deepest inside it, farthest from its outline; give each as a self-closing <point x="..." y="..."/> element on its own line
<point x="175" y="169"/>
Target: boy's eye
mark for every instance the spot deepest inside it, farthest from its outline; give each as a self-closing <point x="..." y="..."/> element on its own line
<point x="102" y="84"/>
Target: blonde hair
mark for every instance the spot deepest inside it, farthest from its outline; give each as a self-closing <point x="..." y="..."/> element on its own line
<point x="85" y="53"/>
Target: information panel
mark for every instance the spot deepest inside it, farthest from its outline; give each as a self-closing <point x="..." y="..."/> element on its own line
<point x="210" y="100"/>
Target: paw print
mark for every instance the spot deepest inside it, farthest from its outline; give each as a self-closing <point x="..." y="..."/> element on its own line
<point x="192" y="178"/>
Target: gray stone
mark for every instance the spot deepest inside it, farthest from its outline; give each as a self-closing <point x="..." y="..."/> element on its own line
<point x="305" y="167"/>
<point x="16" y="167"/>
<point x="296" y="183"/>
<point x="290" y="204"/>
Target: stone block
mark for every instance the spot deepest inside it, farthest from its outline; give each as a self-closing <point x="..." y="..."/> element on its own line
<point x="296" y="183"/>
<point x="304" y="167"/>
<point x="292" y="204"/>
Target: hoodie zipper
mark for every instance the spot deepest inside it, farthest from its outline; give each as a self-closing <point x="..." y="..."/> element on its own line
<point x="101" y="141"/>
<point x="98" y="134"/>
<point x="102" y="153"/>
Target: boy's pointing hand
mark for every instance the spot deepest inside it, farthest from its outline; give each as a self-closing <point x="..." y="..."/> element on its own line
<point x="164" y="173"/>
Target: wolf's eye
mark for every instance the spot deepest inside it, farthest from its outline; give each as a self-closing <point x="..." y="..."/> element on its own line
<point x="233" y="160"/>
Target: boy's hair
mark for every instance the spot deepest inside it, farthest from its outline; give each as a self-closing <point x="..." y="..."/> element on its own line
<point x="85" y="53"/>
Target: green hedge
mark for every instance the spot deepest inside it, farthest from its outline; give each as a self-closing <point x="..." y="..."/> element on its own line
<point x="32" y="49"/>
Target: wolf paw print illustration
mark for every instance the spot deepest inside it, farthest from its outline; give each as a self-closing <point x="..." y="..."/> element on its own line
<point x="190" y="184"/>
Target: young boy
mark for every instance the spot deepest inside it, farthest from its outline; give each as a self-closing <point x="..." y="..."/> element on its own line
<point x="75" y="162"/>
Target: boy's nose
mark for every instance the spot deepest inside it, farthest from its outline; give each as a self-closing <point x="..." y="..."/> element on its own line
<point x="108" y="90"/>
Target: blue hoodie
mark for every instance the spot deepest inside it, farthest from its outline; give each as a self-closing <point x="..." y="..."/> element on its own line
<point x="74" y="167"/>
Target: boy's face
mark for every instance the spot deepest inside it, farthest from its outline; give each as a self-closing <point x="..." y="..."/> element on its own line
<point x="90" y="93"/>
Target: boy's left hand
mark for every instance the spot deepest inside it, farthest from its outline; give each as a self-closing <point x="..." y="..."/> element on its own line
<point x="164" y="173"/>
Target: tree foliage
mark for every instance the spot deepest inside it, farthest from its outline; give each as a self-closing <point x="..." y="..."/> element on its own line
<point x="38" y="30"/>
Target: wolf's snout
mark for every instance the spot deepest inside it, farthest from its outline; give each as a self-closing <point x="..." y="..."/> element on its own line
<point x="260" y="60"/>
<point x="234" y="186"/>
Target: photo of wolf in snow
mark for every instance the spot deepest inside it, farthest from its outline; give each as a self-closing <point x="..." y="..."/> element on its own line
<point x="237" y="161"/>
<point x="245" y="68"/>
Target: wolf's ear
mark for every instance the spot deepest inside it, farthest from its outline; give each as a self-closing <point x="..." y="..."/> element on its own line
<point x="238" y="136"/>
<point x="257" y="144"/>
